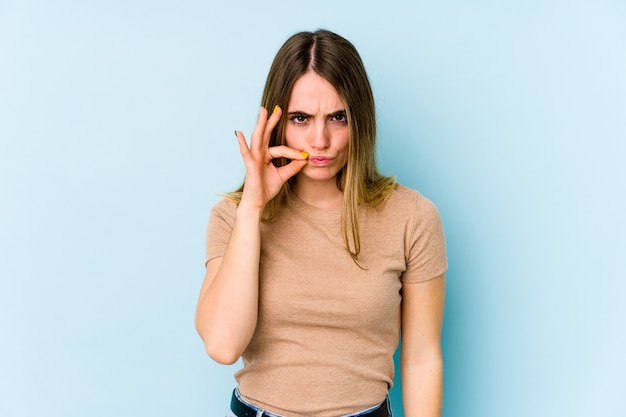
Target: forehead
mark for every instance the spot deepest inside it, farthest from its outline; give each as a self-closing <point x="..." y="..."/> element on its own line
<point x="311" y="92"/>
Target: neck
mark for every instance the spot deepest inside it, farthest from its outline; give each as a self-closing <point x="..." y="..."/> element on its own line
<point x="321" y="194"/>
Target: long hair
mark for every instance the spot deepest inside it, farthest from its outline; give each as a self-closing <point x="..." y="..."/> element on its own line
<point x="336" y="60"/>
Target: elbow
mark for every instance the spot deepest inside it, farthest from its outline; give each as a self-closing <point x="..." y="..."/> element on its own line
<point x="217" y="350"/>
<point x="220" y="343"/>
<point x="427" y="357"/>
<point x="221" y="355"/>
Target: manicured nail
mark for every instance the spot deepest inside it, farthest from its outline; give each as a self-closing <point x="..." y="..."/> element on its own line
<point x="304" y="154"/>
<point x="275" y="109"/>
<point x="236" y="135"/>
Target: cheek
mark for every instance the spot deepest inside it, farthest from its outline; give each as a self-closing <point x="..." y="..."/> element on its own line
<point x="342" y="150"/>
<point x="344" y="141"/>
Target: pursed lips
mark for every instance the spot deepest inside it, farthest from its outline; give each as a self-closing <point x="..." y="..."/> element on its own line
<point x="320" y="159"/>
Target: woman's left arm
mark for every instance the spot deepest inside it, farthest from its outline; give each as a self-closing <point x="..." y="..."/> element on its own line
<point x="421" y="361"/>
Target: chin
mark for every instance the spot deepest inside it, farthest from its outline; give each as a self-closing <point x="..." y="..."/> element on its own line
<point x="319" y="176"/>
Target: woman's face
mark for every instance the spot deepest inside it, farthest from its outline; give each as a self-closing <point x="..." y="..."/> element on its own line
<point x="317" y="124"/>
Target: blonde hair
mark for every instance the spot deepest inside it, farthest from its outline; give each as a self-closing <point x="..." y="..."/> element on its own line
<point x="336" y="60"/>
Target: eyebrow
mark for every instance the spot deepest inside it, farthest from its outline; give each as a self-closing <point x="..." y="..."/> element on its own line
<point x="302" y="113"/>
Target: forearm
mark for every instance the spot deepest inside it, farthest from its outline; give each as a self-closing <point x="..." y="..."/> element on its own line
<point x="228" y="304"/>
<point x="229" y="299"/>
<point x="422" y="385"/>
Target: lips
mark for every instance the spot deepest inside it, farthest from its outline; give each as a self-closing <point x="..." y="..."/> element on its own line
<point x="320" y="160"/>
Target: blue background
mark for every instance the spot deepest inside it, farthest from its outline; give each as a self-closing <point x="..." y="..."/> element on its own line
<point x="116" y="122"/>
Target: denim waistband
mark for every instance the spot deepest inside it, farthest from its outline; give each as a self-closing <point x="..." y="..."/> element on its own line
<point x="247" y="409"/>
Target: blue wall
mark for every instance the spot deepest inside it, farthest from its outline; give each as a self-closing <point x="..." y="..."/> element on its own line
<point x="116" y="123"/>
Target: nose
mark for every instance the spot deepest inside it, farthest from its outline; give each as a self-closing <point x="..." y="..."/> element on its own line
<point x="321" y="138"/>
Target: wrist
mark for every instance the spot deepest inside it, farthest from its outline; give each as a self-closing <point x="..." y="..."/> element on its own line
<point x="249" y="211"/>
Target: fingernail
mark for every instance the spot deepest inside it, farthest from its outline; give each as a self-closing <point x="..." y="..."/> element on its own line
<point x="275" y="109"/>
<point x="236" y="135"/>
<point x="304" y="154"/>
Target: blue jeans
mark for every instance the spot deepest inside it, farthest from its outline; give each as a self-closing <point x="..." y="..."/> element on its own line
<point x="268" y="414"/>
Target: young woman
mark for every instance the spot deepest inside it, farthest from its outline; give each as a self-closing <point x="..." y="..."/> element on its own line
<point x="318" y="262"/>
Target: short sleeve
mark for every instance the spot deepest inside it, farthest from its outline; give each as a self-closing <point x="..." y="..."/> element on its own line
<point x="425" y="250"/>
<point x="219" y="229"/>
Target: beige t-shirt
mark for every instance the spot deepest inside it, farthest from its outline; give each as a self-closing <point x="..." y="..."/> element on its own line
<point x="327" y="329"/>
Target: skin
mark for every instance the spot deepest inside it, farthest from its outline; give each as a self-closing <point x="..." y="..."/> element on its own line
<point x="318" y="125"/>
<point x="231" y="282"/>
<point x="421" y="361"/>
<point x="316" y="128"/>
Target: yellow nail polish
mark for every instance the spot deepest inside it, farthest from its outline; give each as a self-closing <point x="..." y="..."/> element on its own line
<point x="304" y="154"/>
<point x="275" y="108"/>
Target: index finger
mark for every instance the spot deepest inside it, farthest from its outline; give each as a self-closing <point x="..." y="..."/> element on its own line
<point x="263" y="130"/>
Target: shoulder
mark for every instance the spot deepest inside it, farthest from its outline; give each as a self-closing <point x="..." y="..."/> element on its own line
<point x="411" y="202"/>
<point x="224" y="209"/>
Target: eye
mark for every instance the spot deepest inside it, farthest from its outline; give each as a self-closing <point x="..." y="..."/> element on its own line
<point x="298" y="119"/>
<point x="339" y="117"/>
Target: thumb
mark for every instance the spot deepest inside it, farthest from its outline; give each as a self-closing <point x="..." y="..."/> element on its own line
<point x="292" y="168"/>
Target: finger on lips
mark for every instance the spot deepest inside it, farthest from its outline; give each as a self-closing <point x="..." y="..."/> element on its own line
<point x="281" y="151"/>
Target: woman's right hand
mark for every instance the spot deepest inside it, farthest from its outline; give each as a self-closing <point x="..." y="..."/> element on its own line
<point x="263" y="179"/>
<point x="231" y="282"/>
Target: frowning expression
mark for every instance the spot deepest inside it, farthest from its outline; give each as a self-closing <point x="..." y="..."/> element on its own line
<point x="317" y="124"/>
